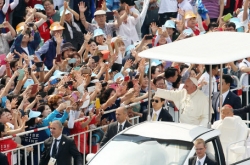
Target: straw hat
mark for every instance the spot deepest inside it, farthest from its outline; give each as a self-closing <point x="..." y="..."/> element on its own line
<point x="20" y="27"/>
<point x="56" y="26"/>
<point x="189" y="14"/>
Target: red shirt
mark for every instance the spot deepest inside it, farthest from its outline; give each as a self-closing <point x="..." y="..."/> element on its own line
<point x="32" y="3"/>
<point x="83" y="138"/>
<point x="45" y="31"/>
<point x="6" y="145"/>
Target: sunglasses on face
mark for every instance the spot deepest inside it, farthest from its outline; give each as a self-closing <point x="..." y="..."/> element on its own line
<point x="153" y="100"/>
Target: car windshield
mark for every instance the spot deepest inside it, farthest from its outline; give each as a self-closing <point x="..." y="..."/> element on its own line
<point x="139" y="150"/>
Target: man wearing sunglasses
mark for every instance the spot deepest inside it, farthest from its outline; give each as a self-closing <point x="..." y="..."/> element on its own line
<point x="158" y="112"/>
<point x="191" y="102"/>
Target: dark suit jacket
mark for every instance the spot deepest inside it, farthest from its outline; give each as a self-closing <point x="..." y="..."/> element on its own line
<point x="67" y="149"/>
<point x="209" y="161"/>
<point x="243" y="110"/>
<point x="231" y="99"/>
<point x="3" y="159"/>
<point x="163" y="116"/>
<point x="112" y="131"/>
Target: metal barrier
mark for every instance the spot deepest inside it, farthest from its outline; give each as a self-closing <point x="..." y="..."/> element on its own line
<point x="134" y="120"/>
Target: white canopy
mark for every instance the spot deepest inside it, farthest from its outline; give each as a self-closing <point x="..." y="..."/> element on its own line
<point x="211" y="48"/>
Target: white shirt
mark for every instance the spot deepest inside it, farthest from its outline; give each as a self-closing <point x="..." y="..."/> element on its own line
<point x="119" y="58"/>
<point x="244" y="22"/>
<point x="202" y="160"/>
<point x="224" y="95"/>
<point x="118" y="124"/>
<point x="193" y="108"/>
<point x="128" y="31"/>
<point x="169" y="85"/>
<point x="28" y="53"/>
<point x="245" y="78"/>
<point x="205" y="88"/>
<point x="58" y="3"/>
<point x="166" y="6"/>
<point x="58" y="142"/>
<point x="157" y="114"/>
<point x="186" y="6"/>
<point x="138" y="25"/>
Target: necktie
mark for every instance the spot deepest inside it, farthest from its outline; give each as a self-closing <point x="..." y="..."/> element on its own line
<point x="54" y="150"/>
<point x="120" y="128"/>
<point x="198" y="162"/>
<point x="154" y="117"/>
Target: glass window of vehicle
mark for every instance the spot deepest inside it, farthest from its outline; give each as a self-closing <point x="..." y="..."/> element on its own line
<point x="138" y="150"/>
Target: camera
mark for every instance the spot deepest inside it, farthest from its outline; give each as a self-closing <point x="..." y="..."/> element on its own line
<point x="31" y="24"/>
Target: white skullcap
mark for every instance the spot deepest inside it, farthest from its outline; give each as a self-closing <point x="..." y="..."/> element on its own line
<point x="194" y="80"/>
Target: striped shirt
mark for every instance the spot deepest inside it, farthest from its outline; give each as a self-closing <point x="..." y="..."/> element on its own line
<point x="213" y="7"/>
<point x="108" y="29"/>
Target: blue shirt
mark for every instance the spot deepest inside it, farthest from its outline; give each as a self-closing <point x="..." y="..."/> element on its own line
<point x="113" y="4"/>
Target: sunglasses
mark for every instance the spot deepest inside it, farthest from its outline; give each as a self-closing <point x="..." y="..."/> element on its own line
<point x="153" y="100"/>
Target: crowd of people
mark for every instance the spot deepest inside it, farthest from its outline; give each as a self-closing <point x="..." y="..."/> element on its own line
<point x="68" y="60"/>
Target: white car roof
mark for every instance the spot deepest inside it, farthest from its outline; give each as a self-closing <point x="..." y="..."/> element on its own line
<point x="211" y="48"/>
<point x="169" y="130"/>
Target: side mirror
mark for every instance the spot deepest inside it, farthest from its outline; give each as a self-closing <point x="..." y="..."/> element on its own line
<point x="89" y="157"/>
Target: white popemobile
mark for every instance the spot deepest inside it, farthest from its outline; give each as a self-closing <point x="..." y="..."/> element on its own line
<point x="166" y="143"/>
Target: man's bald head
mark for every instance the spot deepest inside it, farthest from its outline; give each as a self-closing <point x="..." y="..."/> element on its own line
<point x="226" y="111"/>
<point x="121" y="114"/>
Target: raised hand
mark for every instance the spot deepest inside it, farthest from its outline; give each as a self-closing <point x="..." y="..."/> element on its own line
<point x="82" y="7"/>
<point x="59" y="38"/>
<point x="128" y="64"/>
<point x="108" y="40"/>
<point x="88" y="36"/>
<point x="153" y="27"/>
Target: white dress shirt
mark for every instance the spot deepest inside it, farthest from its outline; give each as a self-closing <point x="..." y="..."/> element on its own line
<point x="193" y="108"/>
<point x="245" y="78"/>
<point x="59" y="138"/>
<point x="205" y="88"/>
<point x="186" y="6"/>
<point x="157" y="112"/>
<point x="167" y="6"/>
<point x="58" y="3"/>
<point x="118" y="124"/>
<point x="224" y="95"/>
<point x="202" y="160"/>
<point x="128" y="30"/>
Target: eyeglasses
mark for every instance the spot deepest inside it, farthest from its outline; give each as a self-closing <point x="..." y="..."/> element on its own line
<point x="153" y="100"/>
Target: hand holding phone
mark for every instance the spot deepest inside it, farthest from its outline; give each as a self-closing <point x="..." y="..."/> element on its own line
<point x="74" y="96"/>
<point x="39" y="66"/>
<point x="227" y="17"/>
<point x="72" y="61"/>
<point x="113" y="85"/>
<point x="126" y="78"/>
<point x="34" y="89"/>
<point x="29" y="70"/>
<point x="91" y="89"/>
<point x="58" y="57"/>
<point x="55" y="81"/>
<point x="148" y="37"/>
<point x="21" y="74"/>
